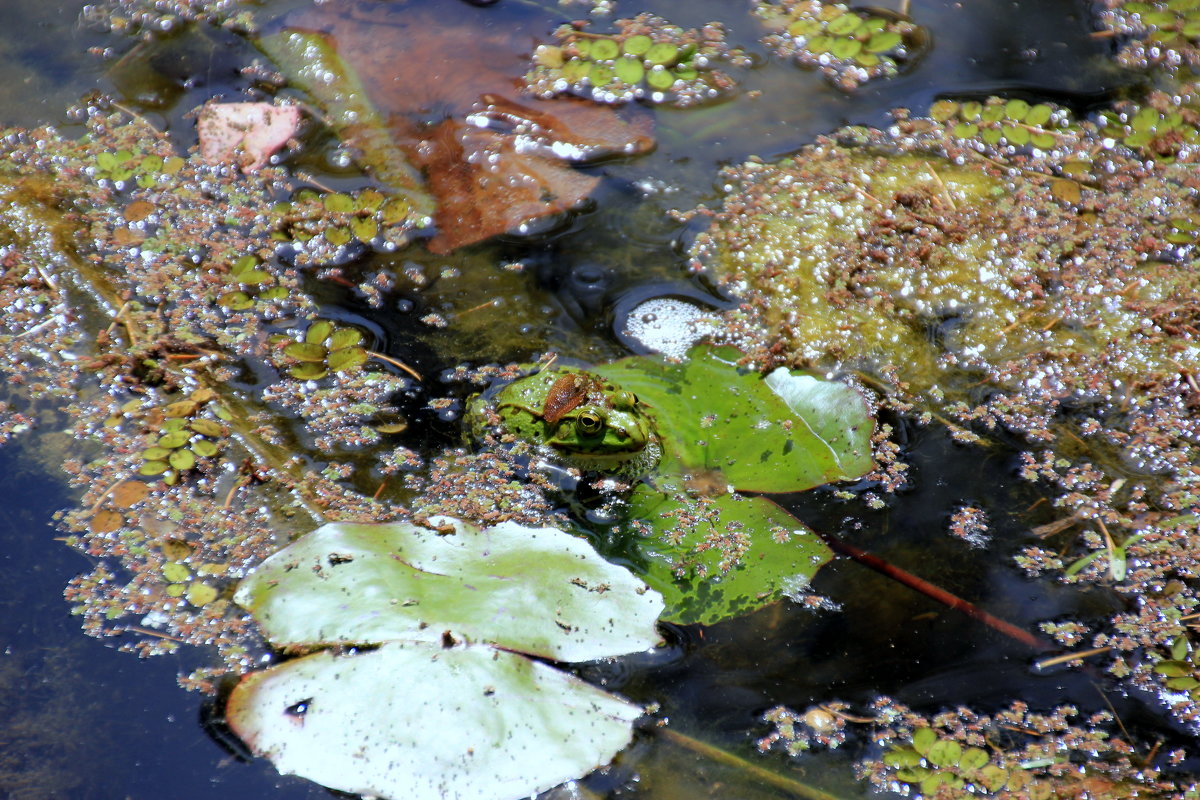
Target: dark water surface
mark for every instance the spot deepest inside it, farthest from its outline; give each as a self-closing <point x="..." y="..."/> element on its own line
<point x="80" y="720"/>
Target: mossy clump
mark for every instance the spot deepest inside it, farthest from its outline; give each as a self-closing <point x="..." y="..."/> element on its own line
<point x="849" y="45"/>
<point x="646" y="58"/>
<point x="1051" y="294"/>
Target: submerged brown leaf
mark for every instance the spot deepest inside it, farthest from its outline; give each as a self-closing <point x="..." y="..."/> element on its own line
<point x="492" y="158"/>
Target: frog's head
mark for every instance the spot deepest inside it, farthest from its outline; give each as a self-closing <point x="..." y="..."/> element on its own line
<point x="590" y="423"/>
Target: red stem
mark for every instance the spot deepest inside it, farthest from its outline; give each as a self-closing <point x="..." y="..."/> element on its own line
<point x="935" y="592"/>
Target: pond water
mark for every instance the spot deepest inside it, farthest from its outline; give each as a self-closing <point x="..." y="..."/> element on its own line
<point x="80" y="720"/>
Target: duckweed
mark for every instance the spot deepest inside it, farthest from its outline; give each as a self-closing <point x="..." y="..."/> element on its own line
<point x="998" y="121"/>
<point x="647" y="58"/>
<point x="848" y="45"/>
<point x="253" y="284"/>
<point x="322" y="224"/>
<point x="324" y="349"/>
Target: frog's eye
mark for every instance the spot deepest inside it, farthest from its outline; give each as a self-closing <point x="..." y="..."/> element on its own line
<point x="590" y="423"/>
<point x="625" y="401"/>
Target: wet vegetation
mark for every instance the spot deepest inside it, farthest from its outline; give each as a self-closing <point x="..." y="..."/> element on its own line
<point x="350" y="334"/>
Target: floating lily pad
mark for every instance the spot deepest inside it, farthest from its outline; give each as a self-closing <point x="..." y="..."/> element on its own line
<point x="693" y="539"/>
<point x="420" y="721"/>
<point x="786" y="433"/>
<point x="535" y="590"/>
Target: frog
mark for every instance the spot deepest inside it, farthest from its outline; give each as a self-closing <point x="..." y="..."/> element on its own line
<point x="586" y="421"/>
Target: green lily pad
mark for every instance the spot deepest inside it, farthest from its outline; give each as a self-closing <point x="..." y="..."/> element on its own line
<point x="423" y="721"/>
<point x="535" y="590"/>
<point x="783" y="433"/>
<point x="688" y="564"/>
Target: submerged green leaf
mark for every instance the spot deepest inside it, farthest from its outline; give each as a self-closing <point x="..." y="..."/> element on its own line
<point x="689" y="564"/>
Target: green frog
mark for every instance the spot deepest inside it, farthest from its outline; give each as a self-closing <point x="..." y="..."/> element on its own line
<point x="588" y="422"/>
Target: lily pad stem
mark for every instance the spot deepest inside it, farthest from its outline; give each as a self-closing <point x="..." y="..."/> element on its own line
<point x="721" y="756"/>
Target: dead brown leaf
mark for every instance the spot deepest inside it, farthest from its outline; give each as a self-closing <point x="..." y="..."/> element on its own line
<point x="493" y="159"/>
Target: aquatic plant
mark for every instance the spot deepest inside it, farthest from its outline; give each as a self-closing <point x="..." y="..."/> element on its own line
<point x="1162" y="126"/>
<point x="646" y="58"/>
<point x="1163" y="33"/>
<point x="997" y="121"/>
<point x="848" y="45"/>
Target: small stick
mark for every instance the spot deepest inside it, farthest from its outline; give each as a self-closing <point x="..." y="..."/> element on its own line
<point x="942" y="184"/>
<point x="396" y="363"/>
<point x="1069" y="657"/>
<point x="936" y="592"/>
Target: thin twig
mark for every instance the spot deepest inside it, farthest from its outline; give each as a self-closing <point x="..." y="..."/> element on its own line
<point x="754" y="770"/>
<point x="395" y="363"/>
<point x="935" y="592"/>
<point x="1066" y="658"/>
<point x="942" y="184"/>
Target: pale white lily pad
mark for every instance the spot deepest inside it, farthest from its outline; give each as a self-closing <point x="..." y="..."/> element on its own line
<point x="534" y="590"/>
<point x="419" y="721"/>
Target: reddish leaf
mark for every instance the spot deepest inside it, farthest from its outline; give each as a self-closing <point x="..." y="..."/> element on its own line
<point x="478" y="198"/>
<point x="450" y="92"/>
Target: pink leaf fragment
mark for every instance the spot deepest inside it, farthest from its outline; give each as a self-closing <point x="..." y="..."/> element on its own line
<point x="245" y="133"/>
